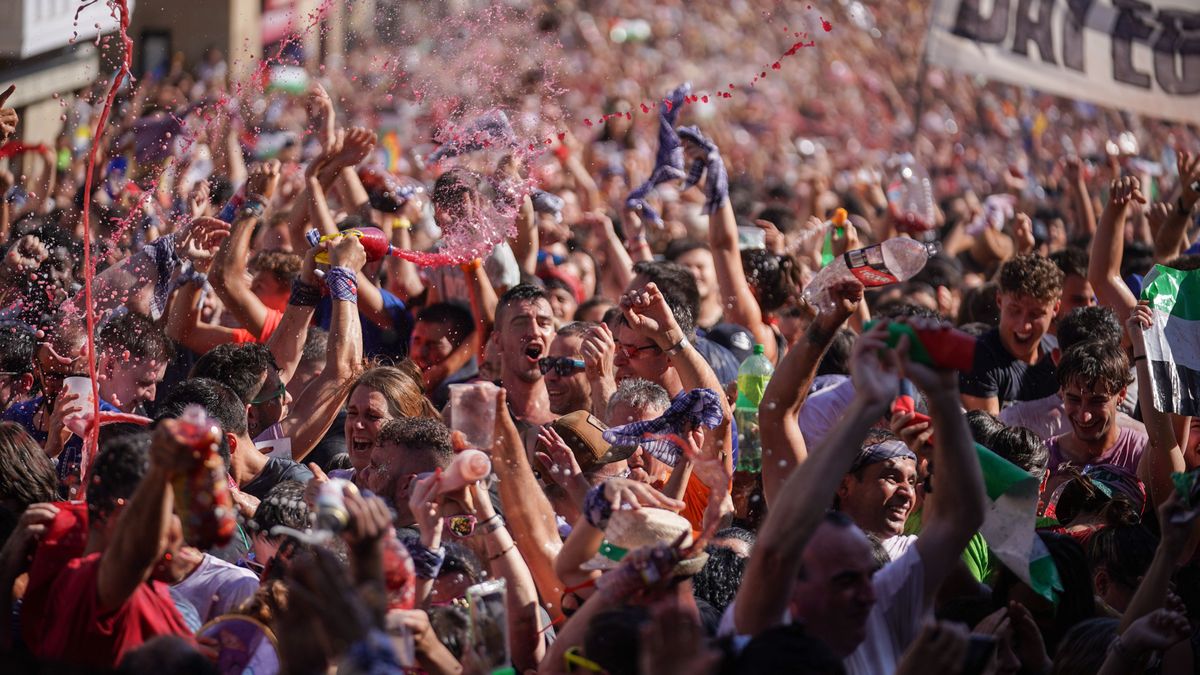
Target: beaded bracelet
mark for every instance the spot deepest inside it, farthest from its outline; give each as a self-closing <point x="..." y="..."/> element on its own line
<point x="342" y="283"/>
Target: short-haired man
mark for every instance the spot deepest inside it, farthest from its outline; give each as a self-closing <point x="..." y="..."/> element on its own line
<point x="879" y="492"/>
<point x="579" y="368"/>
<point x="18" y="347"/>
<point x="1013" y="361"/>
<point x="438" y="340"/>
<point x="524" y="331"/>
<point x="1093" y="377"/>
<point x="1076" y="289"/>
<point x="134" y="355"/>
<point x="92" y="599"/>
<point x="406" y="448"/>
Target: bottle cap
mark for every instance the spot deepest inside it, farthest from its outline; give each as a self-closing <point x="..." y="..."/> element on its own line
<point x="759" y="349"/>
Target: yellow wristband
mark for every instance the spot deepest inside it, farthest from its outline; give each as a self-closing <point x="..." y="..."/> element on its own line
<point x="403" y="223"/>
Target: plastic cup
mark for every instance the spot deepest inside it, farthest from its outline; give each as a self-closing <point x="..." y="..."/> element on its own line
<point x="751" y="238"/>
<point x="81" y="386"/>
<point x="473" y="412"/>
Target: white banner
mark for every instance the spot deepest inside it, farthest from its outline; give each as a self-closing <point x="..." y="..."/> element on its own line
<point x="1138" y="55"/>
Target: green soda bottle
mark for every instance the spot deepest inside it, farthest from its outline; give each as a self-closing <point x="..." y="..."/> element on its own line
<point x="753" y="376"/>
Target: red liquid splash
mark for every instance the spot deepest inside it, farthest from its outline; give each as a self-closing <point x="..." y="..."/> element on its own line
<point x="826" y="25"/>
<point x="91" y="442"/>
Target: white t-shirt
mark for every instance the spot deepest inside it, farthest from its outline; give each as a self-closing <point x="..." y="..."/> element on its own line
<point x="828" y="399"/>
<point x="272" y="443"/>
<point x="898" y="545"/>
<point x="217" y="587"/>
<point x="892" y="626"/>
<point x="1047" y="417"/>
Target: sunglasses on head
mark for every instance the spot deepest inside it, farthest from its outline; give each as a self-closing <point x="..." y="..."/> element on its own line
<point x="562" y="365"/>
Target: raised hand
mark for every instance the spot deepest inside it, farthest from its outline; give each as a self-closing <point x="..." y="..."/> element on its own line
<point x="940" y="648"/>
<point x="1126" y="190"/>
<point x="370" y="519"/>
<point x="915" y="436"/>
<point x="927" y="378"/>
<point x="347" y="252"/>
<point x="358" y="143"/>
<point x="14" y="557"/>
<point x="845" y="296"/>
<point x="774" y="238"/>
<point x="322" y="166"/>
<point x="1189" y="174"/>
<point x="8" y="116"/>
<point x="1157" y="214"/>
<point x="623" y="493"/>
<point x="321" y="117"/>
<point x="1156" y="631"/>
<point x="874" y="368"/>
<point x="558" y="459"/>
<point x="1141" y="318"/>
<point x="26" y="255"/>
<point x="198" y="200"/>
<point x="201" y="241"/>
<point x="649" y="316"/>
<point x="425" y="502"/>
<point x="1073" y="169"/>
<point x="263" y="179"/>
<point x="1022" y="233"/>
<point x="598" y="351"/>
<point x="57" y="433"/>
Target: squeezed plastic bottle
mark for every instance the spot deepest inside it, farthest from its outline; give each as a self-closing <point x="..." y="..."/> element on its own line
<point x="374" y="242"/>
<point x="753" y="376"/>
<point x="886" y="263"/>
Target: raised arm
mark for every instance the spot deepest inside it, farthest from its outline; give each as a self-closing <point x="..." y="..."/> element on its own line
<point x="1164" y="455"/>
<point x="141" y="530"/>
<point x="525" y="244"/>
<point x="287" y="342"/>
<point x="783" y="445"/>
<point x="619" y="270"/>
<point x="1081" y="201"/>
<point x="228" y="276"/>
<point x="954" y="511"/>
<point x="1171" y="238"/>
<point x="528" y="513"/>
<point x="738" y="301"/>
<point x="316" y="408"/>
<point x="775" y="562"/>
<point x="1104" y="267"/>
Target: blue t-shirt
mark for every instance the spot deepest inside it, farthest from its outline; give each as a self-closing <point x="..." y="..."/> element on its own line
<point x="68" y="460"/>
<point x="377" y="341"/>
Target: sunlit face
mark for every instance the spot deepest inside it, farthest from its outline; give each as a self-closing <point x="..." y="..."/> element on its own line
<point x="584" y="269"/>
<point x="562" y="304"/>
<point x="430" y="343"/>
<point x="834" y="596"/>
<point x="699" y="262"/>
<point x="884" y="497"/>
<point x="1091" y="410"/>
<point x="130" y="384"/>
<point x="568" y="393"/>
<point x="1077" y="292"/>
<point x="638" y="356"/>
<point x="524" y="338"/>
<point x="366" y="413"/>
<point x="270" y="405"/>
<point x="391" y="472"/>
<point x="1023" y="322"/>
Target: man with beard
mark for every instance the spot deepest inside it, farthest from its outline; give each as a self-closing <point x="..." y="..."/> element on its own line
<point x="133" y="360"/>
<point x="579" y="369"/>
<point x="1013" y="361"/>
<point x="1092" y="377"/>
<point x="524" y="330"/>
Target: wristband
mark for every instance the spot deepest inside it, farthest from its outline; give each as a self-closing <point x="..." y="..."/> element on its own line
<point x="1139" y="357"/>
<point x="503" y="553"/>
<point x="490" y="527"/>
<point x="427" y="562"/>
<point x="304" y="295"/>
<point x="678" y="347"/>
<point x="403" y="223"/>
<point x="471" y="266"/>
<point x="253" y="207"/>
<point x="342" y="283"/>
<point x="596" y="508"/>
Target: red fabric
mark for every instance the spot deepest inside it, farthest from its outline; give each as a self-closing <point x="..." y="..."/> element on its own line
<point x="63" y="622"/>
<point x="243" y="336"/>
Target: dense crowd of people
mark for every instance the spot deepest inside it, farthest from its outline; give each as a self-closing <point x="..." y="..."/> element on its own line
<point x="292" y="421"/>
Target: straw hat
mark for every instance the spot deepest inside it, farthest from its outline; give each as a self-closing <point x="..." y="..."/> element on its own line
<point x="631" y="529"/>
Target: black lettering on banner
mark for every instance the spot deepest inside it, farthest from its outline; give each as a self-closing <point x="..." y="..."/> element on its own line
<point x="1131" y="25"/>
<point x="1074" y="21"/>
<point x="1038" y="30"/>
<point x="1178" y="43"/>
<point x="972" y="25"/>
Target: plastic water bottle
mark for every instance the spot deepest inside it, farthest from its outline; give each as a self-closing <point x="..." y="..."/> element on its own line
<point x="910" y="195"/>
<point x="894" y="260"/>
<point x="835" y="225"/>
<point x="753" y="376"/>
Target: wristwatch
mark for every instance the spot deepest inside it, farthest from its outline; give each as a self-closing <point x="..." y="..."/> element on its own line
<point x="678" y="346"/>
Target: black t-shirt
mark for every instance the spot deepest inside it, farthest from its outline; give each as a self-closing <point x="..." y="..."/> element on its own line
<point x="276" y="471"/>
<point x="997" y="373"/>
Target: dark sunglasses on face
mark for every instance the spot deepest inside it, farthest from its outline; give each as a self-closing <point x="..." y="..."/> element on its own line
<point x="561" y="365"/>
<point x="264" y="397"/>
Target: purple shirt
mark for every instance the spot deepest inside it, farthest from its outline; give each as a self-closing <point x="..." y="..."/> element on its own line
<point x="1125" y="452"/>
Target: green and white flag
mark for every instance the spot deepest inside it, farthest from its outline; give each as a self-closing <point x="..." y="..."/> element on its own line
<point x="1008" y="524"/>
<point x="1173" y="342"/>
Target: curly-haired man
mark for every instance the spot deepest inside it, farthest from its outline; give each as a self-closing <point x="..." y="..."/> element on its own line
<point x="1012" y="361"/>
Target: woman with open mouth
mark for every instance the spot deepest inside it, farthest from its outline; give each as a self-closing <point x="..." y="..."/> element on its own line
<point x="380" y="394"/>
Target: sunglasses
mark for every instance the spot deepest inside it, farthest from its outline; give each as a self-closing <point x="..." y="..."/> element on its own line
<point x="632" y="352"/>
<point x="461" y="526"/>
<point x="278" y="393"/>
<point x="561" y="365"/>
